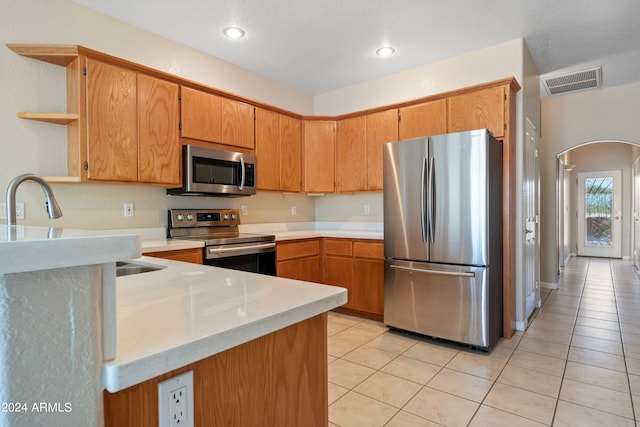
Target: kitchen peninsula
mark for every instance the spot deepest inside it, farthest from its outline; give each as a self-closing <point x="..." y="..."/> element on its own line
<point x="256" y="344"/>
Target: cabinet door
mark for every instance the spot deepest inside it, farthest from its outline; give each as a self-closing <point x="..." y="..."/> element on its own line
<point x="429" y="118"/>
<point x="311" y="269"/>
<point x="319" y="156"/>
<point x="289" y="269"/>
<point x="237" y="123"/>
<point x="368" y="285"/>
<point x="290" y="154"/>
<point x="201" y="118"/>
<point x="351" y="154"/>
<point x="112" y="138"/>
<point x="268" y="149"/>
<point x="368" y="276"/>
<point x="159" y="146"/>
<point x="477" y="110"/>
<point x="338" y="271"/>
<point x="382" y="127"/>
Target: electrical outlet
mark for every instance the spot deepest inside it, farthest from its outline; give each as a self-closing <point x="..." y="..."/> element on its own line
<point x="243" y="209"/>
<point x="367" y="209"/>
<point x="128" y="209"/>
<point x="175" y="401"/>
<point x="294" y="211"/>
<point x="19" y="210"/>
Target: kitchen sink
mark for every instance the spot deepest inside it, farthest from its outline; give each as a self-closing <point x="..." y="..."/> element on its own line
<point x="126" y="268"/>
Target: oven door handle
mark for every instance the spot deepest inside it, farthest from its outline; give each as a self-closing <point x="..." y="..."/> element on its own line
<point x="217" y="252"/>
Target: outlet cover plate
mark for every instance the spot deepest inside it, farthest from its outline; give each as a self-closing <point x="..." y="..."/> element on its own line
<point x="175" y="401"/>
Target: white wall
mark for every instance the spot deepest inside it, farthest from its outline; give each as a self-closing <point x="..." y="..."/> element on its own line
<point x="601" y="115"/>
<point x="31" y="85"/>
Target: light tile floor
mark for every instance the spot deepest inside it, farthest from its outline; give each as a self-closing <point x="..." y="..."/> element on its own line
<point x="578" y="364"/>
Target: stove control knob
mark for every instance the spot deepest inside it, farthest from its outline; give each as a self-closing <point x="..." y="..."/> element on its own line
<point x="179" y="217"/>
<point x="189" y="217"/>
<point x="226" y="216"/>
<point x="233" y="217"/>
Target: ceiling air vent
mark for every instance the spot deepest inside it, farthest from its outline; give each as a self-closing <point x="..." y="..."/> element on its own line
<point x="573" y="82"/>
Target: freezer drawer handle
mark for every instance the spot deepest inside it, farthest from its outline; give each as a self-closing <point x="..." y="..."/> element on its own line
<point x="441" y="273"/>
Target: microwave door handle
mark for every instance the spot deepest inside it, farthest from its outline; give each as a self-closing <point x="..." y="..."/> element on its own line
<point x="241" y="186"/>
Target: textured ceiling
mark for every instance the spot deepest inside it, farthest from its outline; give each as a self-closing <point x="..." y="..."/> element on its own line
<point x="320" y="46"/>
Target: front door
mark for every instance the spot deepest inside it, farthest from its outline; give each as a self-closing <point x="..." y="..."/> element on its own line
<point x="599" y="214"/>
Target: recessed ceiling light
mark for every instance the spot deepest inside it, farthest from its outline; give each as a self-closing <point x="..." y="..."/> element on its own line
<point x="234" y="32"/>
<point x="385" y="51"/>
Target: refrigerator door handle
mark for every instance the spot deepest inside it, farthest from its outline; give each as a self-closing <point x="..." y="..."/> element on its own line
<point x="422" y="196"/>
<point x="438" y="272"/>
<point x="430" y="202"/>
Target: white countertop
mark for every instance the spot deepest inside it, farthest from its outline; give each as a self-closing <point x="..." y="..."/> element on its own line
<point x="282" y="231"/>
<point x="42" y="248"/>
<point x="187" y="312"/>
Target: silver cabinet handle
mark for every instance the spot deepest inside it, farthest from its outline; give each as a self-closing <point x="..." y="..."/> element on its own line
<point x="441" y="273"/>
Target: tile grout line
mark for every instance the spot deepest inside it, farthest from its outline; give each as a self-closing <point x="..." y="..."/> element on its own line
<point x="624" y="353"/>
<point x="573" y="329"/>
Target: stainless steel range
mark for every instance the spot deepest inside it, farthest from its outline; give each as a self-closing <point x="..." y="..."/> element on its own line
<point x="224" y="246"/>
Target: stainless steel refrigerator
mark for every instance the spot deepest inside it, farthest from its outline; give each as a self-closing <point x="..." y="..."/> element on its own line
<point x="443" y="237"/>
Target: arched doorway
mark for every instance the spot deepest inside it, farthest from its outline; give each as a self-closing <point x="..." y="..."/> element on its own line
<point x="583" y="160"/>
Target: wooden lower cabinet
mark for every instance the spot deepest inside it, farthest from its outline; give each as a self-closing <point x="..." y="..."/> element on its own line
<point x="279" y="379"/>
<point x="368" y="277"/>
<point x="299" y="259"/>
<point x="354" y="264"/>
<point x="338" y="265"/>
<point x="186" y="255"/>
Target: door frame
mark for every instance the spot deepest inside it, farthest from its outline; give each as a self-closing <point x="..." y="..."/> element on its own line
<point x="558" y="213"/>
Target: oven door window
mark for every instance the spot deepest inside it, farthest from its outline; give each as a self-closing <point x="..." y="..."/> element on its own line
<point x="263" y="263"/>
<point x="215" y="171"/>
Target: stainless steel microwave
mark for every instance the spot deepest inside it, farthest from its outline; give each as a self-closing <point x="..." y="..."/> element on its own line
<point x="211" y="172"/>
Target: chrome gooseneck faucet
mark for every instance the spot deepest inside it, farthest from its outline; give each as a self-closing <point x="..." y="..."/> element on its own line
<point x="53" y="210"/>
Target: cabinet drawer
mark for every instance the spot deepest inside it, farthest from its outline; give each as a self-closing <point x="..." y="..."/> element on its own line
<point x="297" y="249"/>
<point x="340" y="247"/>
<point x="373" y="250"/>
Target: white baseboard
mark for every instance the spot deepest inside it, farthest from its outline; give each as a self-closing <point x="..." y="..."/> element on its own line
<point x="548" y="285"/>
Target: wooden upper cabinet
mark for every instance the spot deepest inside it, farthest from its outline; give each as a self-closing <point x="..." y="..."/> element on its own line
<point x="112" y="140"/>
<point x="319" y="155"/>
<point x="212" y="118"/>
<point x="237" y="123"/>
<point x="382" y="127"/>
<point x="267" y="149"/>
<point x="278" y="151"/>
<point x="290" y="154"/>
<point x="427" y="119"/>
<point x="483" y="108"/>
<point x="351" y="154"/>
<point x="159" y="147"/>
<point x="201" y="117"/>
